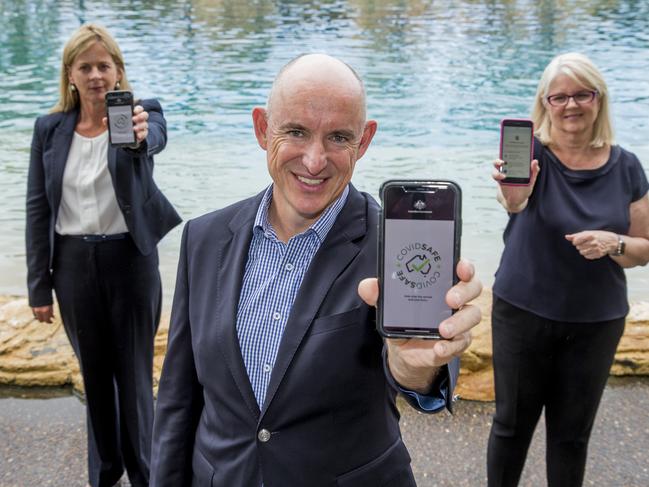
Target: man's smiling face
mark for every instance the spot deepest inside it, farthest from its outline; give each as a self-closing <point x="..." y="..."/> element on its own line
<point x="314" y="132"/>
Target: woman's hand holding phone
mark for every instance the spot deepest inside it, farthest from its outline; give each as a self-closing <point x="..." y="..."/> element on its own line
<point x="514" y="198"/>
<point x="140" y="124"/>
<point x="414" y="362"/>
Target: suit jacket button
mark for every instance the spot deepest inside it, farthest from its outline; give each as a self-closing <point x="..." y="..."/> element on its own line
<point x="263" y="435"/>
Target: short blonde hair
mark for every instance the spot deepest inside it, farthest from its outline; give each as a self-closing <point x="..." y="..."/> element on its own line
<point x="583" y="71"/>
<point x="84" y="37"/>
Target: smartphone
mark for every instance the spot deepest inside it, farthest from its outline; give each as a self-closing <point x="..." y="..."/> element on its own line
<point x="419" y="247"/>
<point x="119" y="109"/>
<point x="516" y="150"/>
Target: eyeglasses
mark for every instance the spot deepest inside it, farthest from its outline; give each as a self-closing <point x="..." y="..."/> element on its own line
<point x="580" y="98"/>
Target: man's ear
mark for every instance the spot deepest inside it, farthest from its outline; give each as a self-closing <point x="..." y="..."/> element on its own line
<point x="260" y="122"/>
<point x="366" y="138"/>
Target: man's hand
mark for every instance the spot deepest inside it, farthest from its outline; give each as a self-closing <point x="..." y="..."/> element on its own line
<point x="414" y="363"/>
<point x="44" y="314"/>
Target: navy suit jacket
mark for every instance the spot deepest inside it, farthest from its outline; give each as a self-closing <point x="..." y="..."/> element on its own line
<point x="330" y="405"/>
<point x="147" y="212"/>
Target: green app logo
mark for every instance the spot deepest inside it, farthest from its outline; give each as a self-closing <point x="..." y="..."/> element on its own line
<point x="418" y="265"/>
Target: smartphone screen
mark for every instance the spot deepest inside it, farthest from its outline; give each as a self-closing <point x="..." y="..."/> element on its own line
<point x="119" y="106"/>
<point x="516" y="150"/>
<point x="420" y="248"/>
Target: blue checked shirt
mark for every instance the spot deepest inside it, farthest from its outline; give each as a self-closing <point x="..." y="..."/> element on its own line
<point x="272" y="278"/>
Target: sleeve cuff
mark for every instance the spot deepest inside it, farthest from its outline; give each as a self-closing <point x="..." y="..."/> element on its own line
<point x="139" y="149"/>
<point x="437" y="399"/>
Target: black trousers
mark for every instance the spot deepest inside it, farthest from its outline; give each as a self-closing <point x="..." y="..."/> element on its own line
<point x="110" y="297"/>
<point x="544" y="363"/>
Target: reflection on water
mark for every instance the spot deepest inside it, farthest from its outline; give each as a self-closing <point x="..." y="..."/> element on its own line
<point x="439" y="75"/>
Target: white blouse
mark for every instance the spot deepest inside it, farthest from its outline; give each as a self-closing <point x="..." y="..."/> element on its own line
<point x="88" y="202"/>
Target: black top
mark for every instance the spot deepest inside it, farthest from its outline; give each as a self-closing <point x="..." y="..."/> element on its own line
<point x="542" y="272"/>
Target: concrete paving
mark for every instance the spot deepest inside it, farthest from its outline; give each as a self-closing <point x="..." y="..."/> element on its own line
<point x="450" y="451"/>
<point x="42" y="441"/>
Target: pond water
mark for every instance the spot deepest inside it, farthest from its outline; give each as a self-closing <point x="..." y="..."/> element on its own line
<point x="439" y="76"/>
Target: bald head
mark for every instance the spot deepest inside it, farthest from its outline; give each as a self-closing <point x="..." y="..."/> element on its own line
<point x="313" y="130"/>
<point x="309" y="70"/>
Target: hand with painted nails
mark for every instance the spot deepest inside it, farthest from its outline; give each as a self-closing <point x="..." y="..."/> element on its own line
<point x="513" y="198"/>
<point x="594" y="244"/>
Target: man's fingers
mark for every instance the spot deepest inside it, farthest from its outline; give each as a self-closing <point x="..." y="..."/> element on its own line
<point x="465" y="270"/>
<point x="448" y="349"/>
<point x="461" y="322"/>
<point x="399" y="343"/>
<point x="368" y="290"/>
<point x="463" y="292"/>
<point x="467" y="289"/>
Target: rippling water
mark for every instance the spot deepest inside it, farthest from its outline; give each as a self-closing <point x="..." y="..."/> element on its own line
<point x="439" y="75"/>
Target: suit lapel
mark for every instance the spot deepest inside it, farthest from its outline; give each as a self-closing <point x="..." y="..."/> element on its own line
<point x="61" y="142"/>
<point x="231" y="267"/>
<point x="335" y="254"/>
<point x="112" y="164"/>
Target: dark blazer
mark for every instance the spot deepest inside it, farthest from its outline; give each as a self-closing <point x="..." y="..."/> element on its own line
<point x="148" y="214"/>
<point x="330" y="409"/>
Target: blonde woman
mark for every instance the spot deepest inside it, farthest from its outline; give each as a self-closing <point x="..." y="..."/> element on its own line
<point x="560" y="296"/>
<point x="94" y="217"/>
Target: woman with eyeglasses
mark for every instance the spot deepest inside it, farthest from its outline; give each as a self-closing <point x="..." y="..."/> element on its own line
<point x="560" y="296"/>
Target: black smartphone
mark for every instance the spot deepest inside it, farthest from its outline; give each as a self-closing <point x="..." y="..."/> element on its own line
<point x="119" y="110"/>
<point x="419" y="247"/>
<point x="516" y="150"/>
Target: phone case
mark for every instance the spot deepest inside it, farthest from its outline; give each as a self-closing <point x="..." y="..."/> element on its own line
<point x="457" y="218"/>
<point x="502" y="125"/>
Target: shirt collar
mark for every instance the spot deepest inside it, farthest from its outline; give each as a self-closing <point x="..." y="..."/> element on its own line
<point x="321" y="227"/>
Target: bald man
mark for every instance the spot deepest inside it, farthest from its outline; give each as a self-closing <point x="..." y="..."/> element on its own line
<point x="275" y="375"/>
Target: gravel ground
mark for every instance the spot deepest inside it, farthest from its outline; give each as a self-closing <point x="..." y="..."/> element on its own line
<point x="42" y="441"/>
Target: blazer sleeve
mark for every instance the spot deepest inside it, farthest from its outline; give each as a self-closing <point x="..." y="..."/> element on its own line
<point x="148" y="213"/>
<point x="37" y="228"/>
<point x="180" y="396"/>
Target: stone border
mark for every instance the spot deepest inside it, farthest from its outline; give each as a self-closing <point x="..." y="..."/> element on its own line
<point x="37" y="354"/>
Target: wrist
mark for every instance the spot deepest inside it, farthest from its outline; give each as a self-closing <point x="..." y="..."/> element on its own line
<point x="416" y="379"/>
<point x="517" y="207"/>
<point x="619" y="248"/>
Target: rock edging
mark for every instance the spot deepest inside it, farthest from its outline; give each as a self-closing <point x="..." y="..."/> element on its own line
<point x="38" y="354"/>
